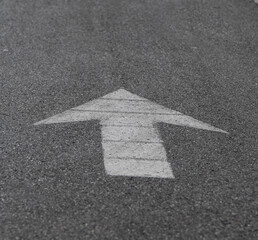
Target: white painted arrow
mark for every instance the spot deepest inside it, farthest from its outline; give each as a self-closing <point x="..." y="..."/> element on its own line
<point x="132" y="145"/>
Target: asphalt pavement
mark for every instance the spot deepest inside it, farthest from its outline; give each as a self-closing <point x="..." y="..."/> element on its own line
<point x="196" y="57"/>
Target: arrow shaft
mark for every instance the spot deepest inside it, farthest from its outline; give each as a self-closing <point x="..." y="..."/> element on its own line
<point x="134" y="151"/>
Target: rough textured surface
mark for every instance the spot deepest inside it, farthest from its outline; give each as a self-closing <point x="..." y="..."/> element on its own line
<point x="197" y="57"/>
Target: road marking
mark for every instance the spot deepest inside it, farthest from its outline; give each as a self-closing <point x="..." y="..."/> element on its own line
<point x="131" y="144"/>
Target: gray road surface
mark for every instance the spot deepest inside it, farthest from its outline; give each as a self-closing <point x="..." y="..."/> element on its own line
<point x="198" y="57"/>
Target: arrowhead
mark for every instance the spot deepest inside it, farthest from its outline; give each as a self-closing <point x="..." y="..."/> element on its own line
<point x="127" y="107"/>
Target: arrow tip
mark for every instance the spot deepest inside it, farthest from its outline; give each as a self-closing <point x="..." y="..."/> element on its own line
<point x="122" y="94"/>
<point x="220" y="130"/>
<point x="38" y="123"/>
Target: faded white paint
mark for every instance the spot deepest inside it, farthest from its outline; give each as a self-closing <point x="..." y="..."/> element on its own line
<point x="138" y="168"/>
<point x="131" y="143"/>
